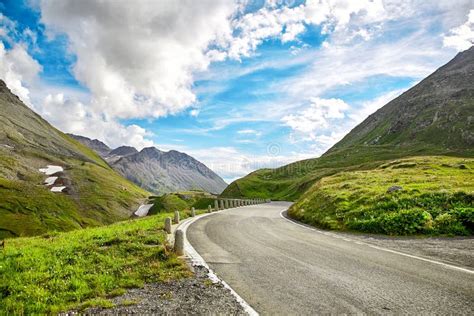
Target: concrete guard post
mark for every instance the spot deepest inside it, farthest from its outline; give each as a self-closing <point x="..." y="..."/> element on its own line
<point x="179" y="242"/>
<point x="216" y="205"/>
<point x="209" y="209"/>
<point x="221" y="204"/>
<point x="226" y="203"/>
<point x="193" y="212"/>
<point x="176" y="217"/>
<point x="168" y="225"/>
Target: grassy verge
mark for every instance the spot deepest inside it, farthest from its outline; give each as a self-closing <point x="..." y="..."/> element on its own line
<point x="83" y="268"/>
<point x="436" y="197"/>
<point x="181" y="201"/>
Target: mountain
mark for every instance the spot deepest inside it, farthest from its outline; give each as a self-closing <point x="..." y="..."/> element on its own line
<point x="435" y="117"/>
<point x="95" y="144"/>
<point x="161" y="172"/>
<point x="122" y="151"/>
<point x="75" y="187"/>
<point x="171" y="171"/>
<point x="437" y="113"/>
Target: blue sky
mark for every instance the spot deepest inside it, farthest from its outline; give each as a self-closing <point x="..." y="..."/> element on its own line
<point x="240" y="85"/>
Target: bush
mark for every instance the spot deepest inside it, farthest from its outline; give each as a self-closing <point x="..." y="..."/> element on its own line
<point x="448" y="224"/>
<point x="404" y="222"/>
<point x="465" y="215"/>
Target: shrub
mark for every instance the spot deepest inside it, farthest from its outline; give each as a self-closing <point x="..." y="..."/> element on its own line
<point x="448" y="224"/>
<point x="465" y="215"/>
<point x="406" y="222"/>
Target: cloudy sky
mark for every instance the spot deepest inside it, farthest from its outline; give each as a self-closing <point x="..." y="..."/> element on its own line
<point x="239" y="85"/>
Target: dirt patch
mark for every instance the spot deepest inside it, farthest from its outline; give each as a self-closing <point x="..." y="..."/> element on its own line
<point x="195" y="295"/>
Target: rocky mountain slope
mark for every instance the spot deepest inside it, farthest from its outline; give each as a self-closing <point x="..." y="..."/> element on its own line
<point x="90" y="193"/>
<point x="95" y="144"/>
<point x="160" y="172"/>
<point x="435" y="117"/>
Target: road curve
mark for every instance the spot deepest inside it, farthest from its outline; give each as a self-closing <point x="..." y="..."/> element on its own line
<point x="279" y="267"/>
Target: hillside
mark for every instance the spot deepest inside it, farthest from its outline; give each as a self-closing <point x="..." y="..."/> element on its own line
<point x="435" y="117"/>
<point x="83" y="268"/>
<point x="89" y="192"/>
<point x="157" y="171"/>
<point x="418" y="195"/>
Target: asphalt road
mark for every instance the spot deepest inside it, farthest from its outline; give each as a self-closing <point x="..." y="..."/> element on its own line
<point x="279" y="267"/>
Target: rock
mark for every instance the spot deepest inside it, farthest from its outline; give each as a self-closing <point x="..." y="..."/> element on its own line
<point x="168" y="225"/>
<point x="394" y="188"/>
<point x="176" y="217"/>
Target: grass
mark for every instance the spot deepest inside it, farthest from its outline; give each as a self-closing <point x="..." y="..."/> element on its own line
<point x="181" y="201"/>
<point x="83" y="268"/>
<point x="99" y="196"/>
<point x="289" y="182"/>
<point x="437" y="197"/>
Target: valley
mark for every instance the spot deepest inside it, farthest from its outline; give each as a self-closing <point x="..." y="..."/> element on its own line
<point x="236" y="157"/>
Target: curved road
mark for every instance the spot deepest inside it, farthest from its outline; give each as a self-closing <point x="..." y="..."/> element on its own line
<point x="279" y="267"/>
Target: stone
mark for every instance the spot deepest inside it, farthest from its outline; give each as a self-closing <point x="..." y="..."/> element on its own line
<point x="394" y="188"/>
<point x="216" y="205"/>
<point x="168" y="225"/>
<point x="176" y="217"/>
<point x="179" y="242"/>
<point x="193" y="212"/>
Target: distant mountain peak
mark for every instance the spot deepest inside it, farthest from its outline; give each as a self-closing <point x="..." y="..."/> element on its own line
<point x="123" y="151"/>
<point x="159" y="171"/>
<point x="95" y="144"/>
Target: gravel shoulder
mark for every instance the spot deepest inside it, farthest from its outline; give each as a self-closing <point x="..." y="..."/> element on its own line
<point x="195" y="295"/>
<point x="457" y="251"/>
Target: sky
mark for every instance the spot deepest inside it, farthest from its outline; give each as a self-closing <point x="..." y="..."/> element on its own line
<point x="239" y="85"/>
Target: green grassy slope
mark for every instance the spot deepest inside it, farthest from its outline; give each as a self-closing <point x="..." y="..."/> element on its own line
<point x="181" y="201"/>
<point x="60" y="271"/>
<point x="437" y="196"/>
<point x="98" y="195"/>
<point x="433" y="118"/>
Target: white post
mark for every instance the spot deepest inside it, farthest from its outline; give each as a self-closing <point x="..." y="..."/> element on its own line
<point x="176" y="217"/>
<point x="193" y="212"/>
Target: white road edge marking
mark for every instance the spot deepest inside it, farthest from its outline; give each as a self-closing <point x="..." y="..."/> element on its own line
<point x="446" y="265"/>
<point x="196" y="259"/>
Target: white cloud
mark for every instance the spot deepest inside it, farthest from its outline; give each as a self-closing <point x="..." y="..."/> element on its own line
<point x="194" y="112"/>
<point x="317" y="116"/>
<point x="74" y="117"/>
<point x="369" y="107"/>
<point x="231" y="164"/>
<point x="249" y="132"/>
<point x="138" y="61"/>
<point x="18" y="68"/>
<point x="461" y="37"/>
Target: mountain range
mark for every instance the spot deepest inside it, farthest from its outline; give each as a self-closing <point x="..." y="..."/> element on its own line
<point x="158" y="171"/>
<point x="435" y="117"/>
